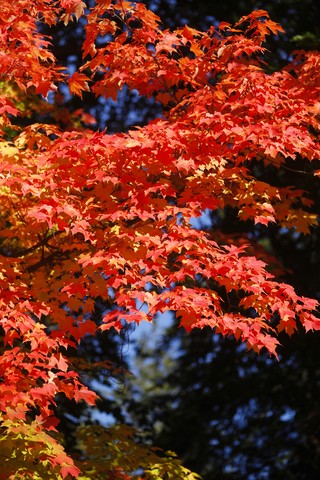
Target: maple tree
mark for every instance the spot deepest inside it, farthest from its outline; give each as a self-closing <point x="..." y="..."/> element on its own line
<point x="88" y="216"/>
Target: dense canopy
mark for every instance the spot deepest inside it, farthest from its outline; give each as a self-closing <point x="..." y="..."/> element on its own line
<point x="94" y="219"/>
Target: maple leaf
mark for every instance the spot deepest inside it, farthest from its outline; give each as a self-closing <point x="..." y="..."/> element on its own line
<point x="78" y="83"/>
<point x="71" y="7"/>
<point x="168" y="42"/>
<point x="264" y="219"/>
<point x="69" y="470"/>
<point x="85" y="394"/>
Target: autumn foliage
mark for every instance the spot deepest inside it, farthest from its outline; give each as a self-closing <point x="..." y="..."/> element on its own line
<point x="86" y="215"/>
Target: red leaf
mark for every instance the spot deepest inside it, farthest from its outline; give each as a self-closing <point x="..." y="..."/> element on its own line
<point x="79" y="83"/>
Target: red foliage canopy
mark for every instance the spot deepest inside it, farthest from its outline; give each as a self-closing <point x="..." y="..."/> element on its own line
<point x="89" y="215"/>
